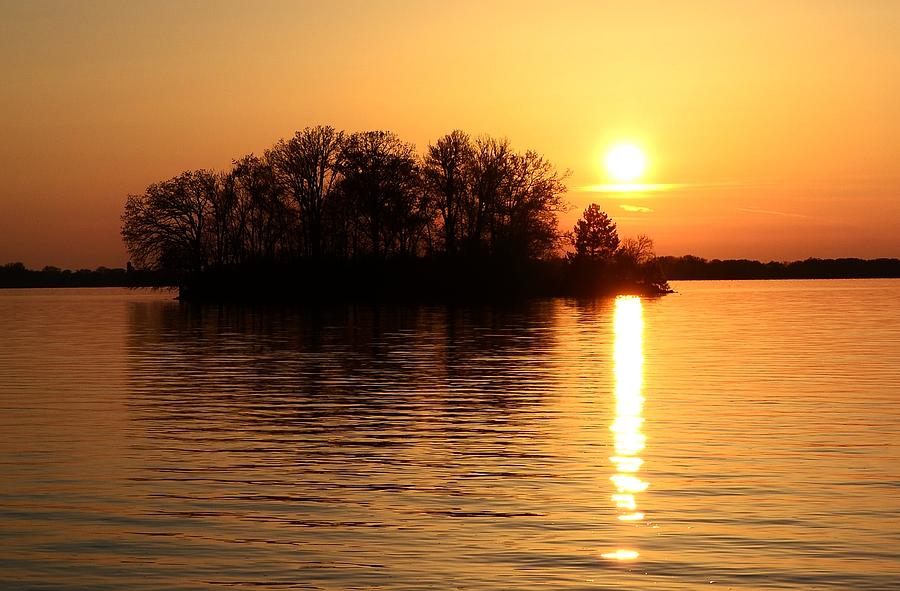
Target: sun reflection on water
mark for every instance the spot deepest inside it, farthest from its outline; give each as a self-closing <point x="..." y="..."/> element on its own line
<point x="628" y="439"/>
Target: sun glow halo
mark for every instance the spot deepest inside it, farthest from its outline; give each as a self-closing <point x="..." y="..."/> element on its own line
<point x="625" y="163"/>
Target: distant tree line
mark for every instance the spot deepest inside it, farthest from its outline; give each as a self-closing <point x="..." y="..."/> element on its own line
<point x="329" y="213"/>
<point x="17" y="275"/>
<point x="632" y="257"/>
<point x="692" y="267"/>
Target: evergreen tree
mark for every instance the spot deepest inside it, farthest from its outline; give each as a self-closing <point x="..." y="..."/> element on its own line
<point x="595" y="236"/>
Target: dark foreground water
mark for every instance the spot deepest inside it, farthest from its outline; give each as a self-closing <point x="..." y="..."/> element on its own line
<point x="736" y="435"/>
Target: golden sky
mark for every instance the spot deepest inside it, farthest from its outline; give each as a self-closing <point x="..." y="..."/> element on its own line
<point x="777" y="122"/>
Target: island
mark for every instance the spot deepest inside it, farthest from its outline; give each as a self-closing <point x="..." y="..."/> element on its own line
<point x="328" y="215"/>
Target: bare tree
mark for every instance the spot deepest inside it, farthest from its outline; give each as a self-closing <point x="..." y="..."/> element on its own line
<point x="381" y="179"/>
<point x="447" y="174"/>
<point x="532" y="198"/>
<point x="307" y="167"/>
<point x="637" y="251"/>
<point x="514" y="201"/>
<point x="323" y="193"/>
<point x="489" y="169"/>
<point x="264" y="225"/>
<point x="166" y="227"/>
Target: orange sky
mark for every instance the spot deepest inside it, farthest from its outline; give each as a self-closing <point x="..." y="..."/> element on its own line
<point x="779" y="120"/>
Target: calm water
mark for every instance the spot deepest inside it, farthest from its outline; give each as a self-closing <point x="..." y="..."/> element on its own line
<point x="736" y="435"/>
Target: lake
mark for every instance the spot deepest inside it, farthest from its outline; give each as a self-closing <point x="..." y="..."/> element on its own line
<point x="734" y="435"/>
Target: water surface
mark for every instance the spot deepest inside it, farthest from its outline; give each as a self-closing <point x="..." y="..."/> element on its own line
<point x="735" y="435"/>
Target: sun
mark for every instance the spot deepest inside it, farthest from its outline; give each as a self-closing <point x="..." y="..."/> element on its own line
<point x="625" y="163"/>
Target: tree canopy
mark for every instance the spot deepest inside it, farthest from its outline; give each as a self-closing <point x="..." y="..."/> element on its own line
<point x="326" y="194"/>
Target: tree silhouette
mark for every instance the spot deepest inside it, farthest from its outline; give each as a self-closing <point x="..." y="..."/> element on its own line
<point x="636" y="251"/>
<point x="307" y="167"/>
<point x="490" y="166"/>
<point x="532" y="198"/>
<point x="513" y="202"/>
<point x="595" y="236"/>
<point x="329" y="213"/>
<point x="447" y="173"/>
<point x="166" y="227"/>
<point x="381" y="179"/>
<point x="263" y="224"/>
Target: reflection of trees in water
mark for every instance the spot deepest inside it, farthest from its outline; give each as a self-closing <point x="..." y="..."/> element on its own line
<point x="411" y="437"/>
<point x="351" y="369"/>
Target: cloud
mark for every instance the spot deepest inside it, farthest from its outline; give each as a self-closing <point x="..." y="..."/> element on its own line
<point x="635" y="208"/>
<point x="629" y="188"/>
<point x="773" y="212"/>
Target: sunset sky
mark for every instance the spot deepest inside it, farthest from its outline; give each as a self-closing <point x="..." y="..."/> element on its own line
<point x="774" y="126"/>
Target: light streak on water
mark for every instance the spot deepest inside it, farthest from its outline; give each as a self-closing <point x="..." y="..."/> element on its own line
<point x="628" y="439"/>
